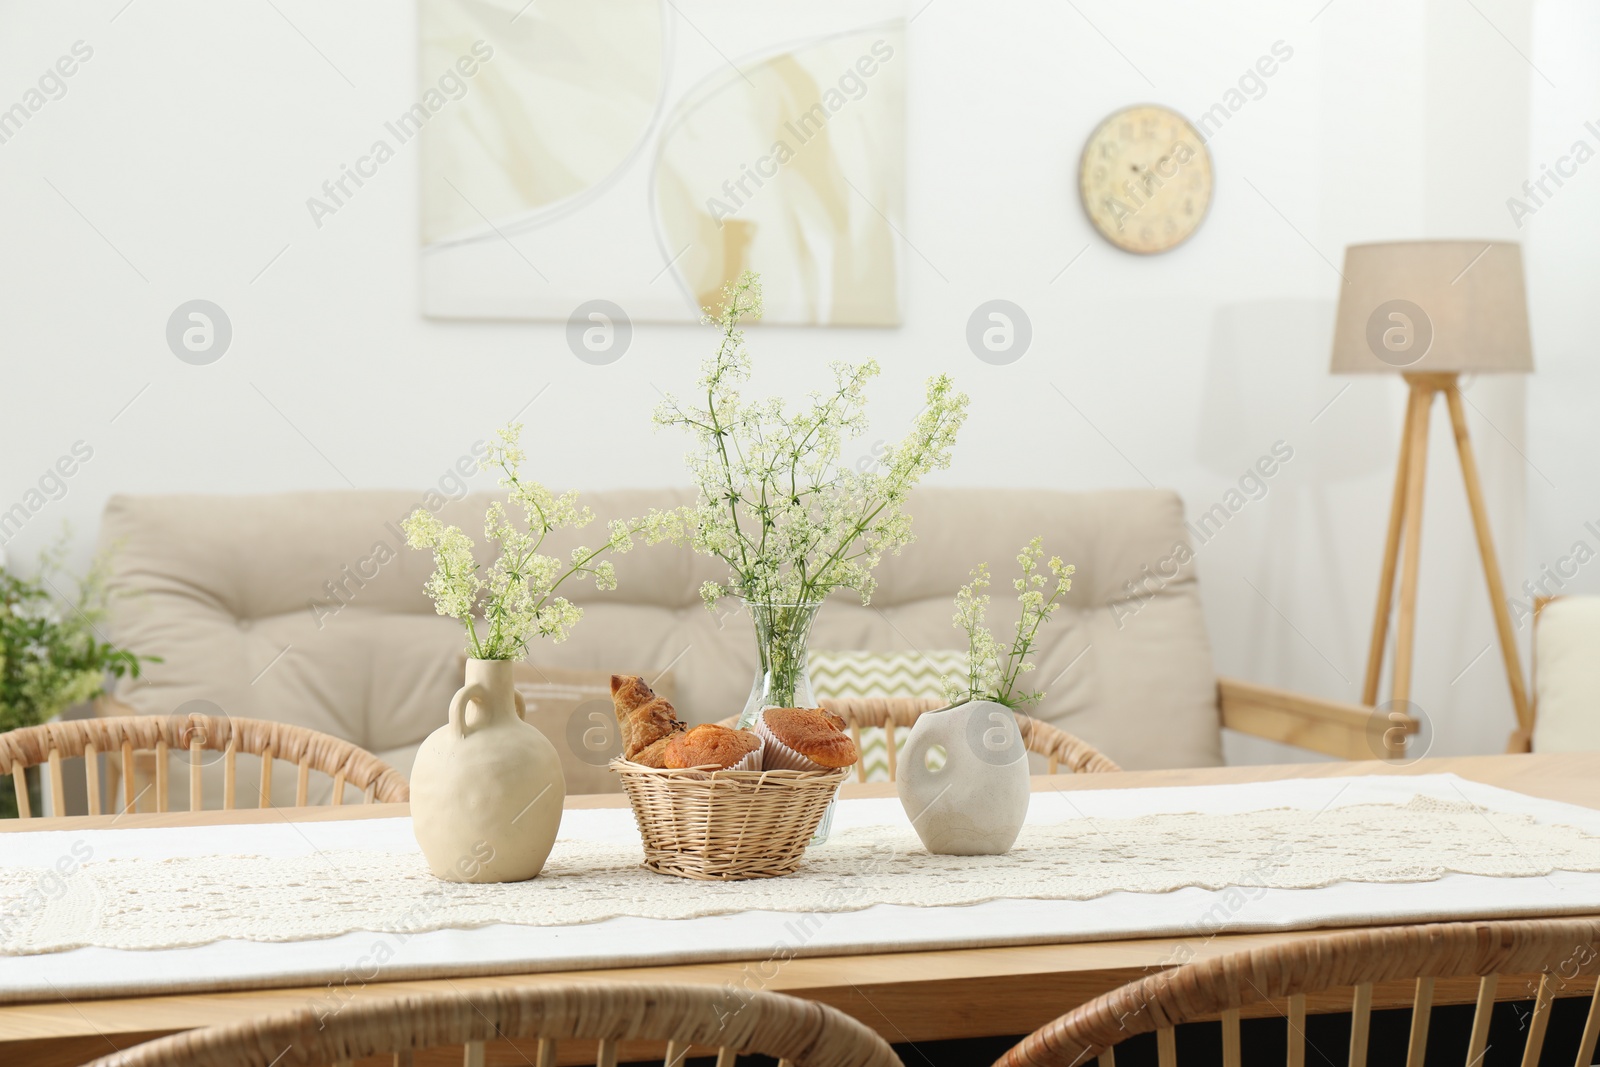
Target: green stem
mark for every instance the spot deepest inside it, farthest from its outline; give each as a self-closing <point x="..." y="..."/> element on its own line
<point x="1024" y="645"/>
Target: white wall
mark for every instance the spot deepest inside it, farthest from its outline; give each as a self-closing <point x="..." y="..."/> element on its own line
<point x="1562" y="428"/>
<point x="191" y="140"/>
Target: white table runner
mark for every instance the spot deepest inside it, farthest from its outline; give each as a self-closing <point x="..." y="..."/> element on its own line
<point x="316" y="903"/>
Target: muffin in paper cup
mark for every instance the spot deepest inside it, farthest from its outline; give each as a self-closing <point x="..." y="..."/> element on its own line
<point x="796" y="735"/>
<point x="752" y="762"/>
<point x="709" y="745"/>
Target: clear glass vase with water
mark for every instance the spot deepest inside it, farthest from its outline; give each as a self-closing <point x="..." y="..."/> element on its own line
<point x="783" y="678"/>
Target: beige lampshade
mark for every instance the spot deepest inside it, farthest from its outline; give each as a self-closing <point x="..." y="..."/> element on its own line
<point x="1431" y="307"/>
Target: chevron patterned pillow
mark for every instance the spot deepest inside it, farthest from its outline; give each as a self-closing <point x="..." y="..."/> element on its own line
<point x="864" y="674"/>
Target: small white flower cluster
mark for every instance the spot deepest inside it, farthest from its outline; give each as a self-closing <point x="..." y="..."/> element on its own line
<point x="991" y="674"/>
<point x="37" y="611"/>
<point x="776" y="505"/>
<point x="519" y="600"/>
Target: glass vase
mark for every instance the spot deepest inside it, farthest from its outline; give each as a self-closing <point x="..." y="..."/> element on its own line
<point x="783" y="678"/>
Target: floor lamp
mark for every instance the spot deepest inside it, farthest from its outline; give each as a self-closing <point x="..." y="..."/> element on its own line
<point x="1432" y="311"/>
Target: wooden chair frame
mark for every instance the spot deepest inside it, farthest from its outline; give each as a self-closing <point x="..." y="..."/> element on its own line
<point x="799" y="1033"/>
<point x="1331" y="727"/>
<point x="1347" y="731"/>
<point x="1059" y="748"/>
<point x="889" y="714"/>
<point x="128" y="735"/>
<point x="1563" y="953"/>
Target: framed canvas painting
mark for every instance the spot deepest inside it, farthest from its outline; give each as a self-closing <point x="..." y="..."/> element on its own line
<point x="644" y="152"/>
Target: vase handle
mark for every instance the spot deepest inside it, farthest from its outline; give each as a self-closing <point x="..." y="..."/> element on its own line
<point x="522" y="705"/>
<point x="914" y="758"/>
<point x="458" y="706"/>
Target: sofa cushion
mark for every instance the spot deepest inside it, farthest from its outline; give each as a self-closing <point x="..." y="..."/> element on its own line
<point x="308" y="608"/>
<point x="575" y="711"/>
<point x="855" y="673"/>
<point x="1567" y="676"/>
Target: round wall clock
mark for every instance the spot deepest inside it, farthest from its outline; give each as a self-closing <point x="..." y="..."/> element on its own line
<point x="1145" y="179"/>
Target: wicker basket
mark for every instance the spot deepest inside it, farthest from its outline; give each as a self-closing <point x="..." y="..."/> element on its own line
<point x="726" y="825"/>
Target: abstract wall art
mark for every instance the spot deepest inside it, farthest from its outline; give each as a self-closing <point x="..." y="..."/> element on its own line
<point x="644" y="153"/>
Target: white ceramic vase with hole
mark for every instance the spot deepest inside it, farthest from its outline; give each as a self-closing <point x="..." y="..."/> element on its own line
<point x="975" y="804"/>
<point x="487" y="788"/>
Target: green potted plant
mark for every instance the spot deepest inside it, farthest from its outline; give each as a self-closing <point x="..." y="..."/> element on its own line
<point x="53" y="654"/>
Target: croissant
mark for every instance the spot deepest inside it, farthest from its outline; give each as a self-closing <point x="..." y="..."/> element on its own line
<point x="648" y="722"/>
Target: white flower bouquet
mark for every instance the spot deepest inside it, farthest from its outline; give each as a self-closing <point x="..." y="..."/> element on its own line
<point x="776" y="505"/>
<point x="519" y="599"/>
<point x="991" y="673"/>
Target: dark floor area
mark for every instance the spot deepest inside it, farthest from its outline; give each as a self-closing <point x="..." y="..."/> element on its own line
<point x="1265" y="1043"/>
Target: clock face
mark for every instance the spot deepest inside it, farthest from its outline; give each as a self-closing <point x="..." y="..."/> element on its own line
<point x="1145" y="179"/>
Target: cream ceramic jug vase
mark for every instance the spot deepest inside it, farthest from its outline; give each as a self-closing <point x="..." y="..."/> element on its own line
<point x="487" y="788"/>
<point x="975" y="804"/>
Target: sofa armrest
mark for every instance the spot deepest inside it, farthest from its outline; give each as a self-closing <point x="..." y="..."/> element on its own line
<point x="1334" y="728"/>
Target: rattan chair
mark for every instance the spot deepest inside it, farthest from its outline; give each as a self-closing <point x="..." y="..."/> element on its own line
<point x="1059" y="748"/>
<point x="1470" y="962"/>
<point x="121" y="738"/>
<point x="799" y="1033"/>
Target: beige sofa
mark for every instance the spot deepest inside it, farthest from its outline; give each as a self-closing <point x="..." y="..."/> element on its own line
<point x="308" y="608"/>
<point x="1566" y="677"/>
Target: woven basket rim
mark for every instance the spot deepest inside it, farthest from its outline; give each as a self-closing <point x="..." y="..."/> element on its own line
<point x="619" y="765"/>
<point x="723" y="825"/>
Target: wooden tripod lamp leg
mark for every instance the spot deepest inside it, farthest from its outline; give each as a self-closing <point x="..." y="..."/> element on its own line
<point x="1391" y="556"/>
<point x="1491" y="563"/>
<point x="1411" y="560"/>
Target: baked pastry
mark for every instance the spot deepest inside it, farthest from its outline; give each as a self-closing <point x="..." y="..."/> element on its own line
<point x="804" y="739"/>
<point x="648" y="722"/>
<point x="654" y="755"/>
<point x="715" y="746"/>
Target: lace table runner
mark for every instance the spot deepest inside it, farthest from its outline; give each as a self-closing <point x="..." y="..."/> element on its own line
<point x="151" y="903"/>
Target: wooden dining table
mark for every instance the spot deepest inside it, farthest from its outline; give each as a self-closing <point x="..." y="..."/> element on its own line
<point x="908" y="997"/>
